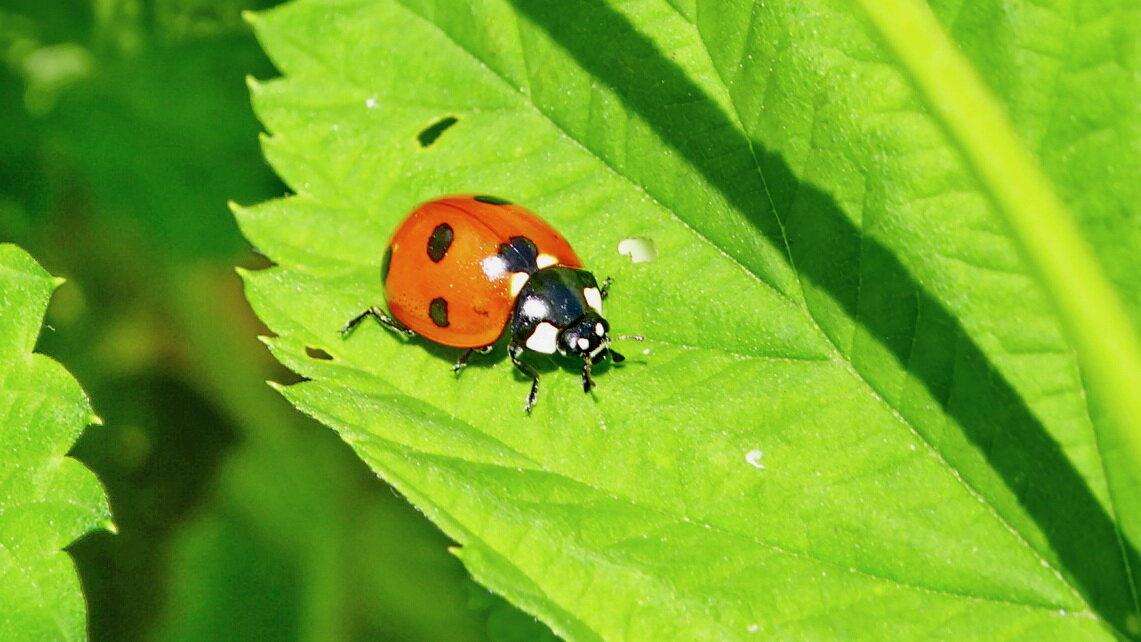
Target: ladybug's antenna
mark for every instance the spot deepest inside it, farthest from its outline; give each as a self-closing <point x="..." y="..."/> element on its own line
<point x="635" y="337"/>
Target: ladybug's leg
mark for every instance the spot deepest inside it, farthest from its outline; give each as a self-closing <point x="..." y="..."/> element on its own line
<point x="587" y="382"/>
<point x="516" y="350"/>
<point x="461" y="363"/>
<point x="381" y="318"/>
<point x="604" y="289"/>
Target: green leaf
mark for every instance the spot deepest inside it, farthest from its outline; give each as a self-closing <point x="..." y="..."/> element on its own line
<point x="1091" y="311"/>
<point x="855" y="415"/>
<point x="47" y="499"/>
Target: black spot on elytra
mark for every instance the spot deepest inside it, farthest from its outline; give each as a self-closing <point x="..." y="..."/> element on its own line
<point x="520" y="255"/>
<point x="429" y="134"/>
<point x="491" y="200"/>
<point x="440" y="241"/>
<point x="438" y="311"/>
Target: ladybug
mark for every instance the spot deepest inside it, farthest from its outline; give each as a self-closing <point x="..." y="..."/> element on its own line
<point x="462" y="269"/>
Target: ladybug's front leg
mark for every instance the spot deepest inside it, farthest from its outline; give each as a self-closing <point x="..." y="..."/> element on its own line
<point x="587" y="381"/>
<point x="516" y="350"/>
<point x="381" y="318"/>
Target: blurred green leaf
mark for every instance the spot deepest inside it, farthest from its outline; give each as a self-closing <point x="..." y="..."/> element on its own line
<point x="47" y="499"/>
<point x="855" y="414"/>
<point x="136" y="160"/>
<point x="180" y="127"/>
<point x="360" y="564"/>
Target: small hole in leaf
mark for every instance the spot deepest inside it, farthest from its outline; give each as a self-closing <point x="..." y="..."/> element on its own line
<point x="318" y="353"/>
<point x="429" y="134"/>
<point x="640" y="250"/>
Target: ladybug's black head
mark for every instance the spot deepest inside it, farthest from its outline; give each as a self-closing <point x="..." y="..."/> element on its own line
<point x="587" y="338"/>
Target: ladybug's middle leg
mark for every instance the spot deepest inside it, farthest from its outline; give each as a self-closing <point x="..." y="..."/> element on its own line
<point x="381" y="318"/>
<point x="516" y="350"/>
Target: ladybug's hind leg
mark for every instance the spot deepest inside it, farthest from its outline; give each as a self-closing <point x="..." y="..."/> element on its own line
<point x="461" y="363"/>
<point x="381" y="318"/>
<point x="516" y="350"/>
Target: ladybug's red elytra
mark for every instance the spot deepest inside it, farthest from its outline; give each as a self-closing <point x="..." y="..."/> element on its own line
<point x="460" y="269"/>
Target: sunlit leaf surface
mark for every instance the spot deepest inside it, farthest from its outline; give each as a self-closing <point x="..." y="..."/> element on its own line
<point x="854" y="415"/>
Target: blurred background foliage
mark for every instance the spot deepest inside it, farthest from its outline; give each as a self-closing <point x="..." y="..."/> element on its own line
<point x="125" y="127"/>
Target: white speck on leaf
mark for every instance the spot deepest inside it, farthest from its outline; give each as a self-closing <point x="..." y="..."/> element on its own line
<point x="754" y="458"/>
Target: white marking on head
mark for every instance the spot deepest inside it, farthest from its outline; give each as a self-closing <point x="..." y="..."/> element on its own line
<point x="494" y="266"/>
<point x="518" y="280"/>
<point x="545" y="260"/>
<point x="593" y="298"/>
<point x="543" y="338"/>
<point x="600" y="329"/>
<point x="583" y="343"/>
<point x="536" y="308"/>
